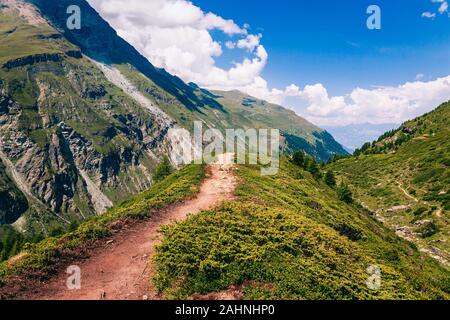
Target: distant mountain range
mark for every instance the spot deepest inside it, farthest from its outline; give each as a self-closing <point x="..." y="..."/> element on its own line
<point x="353" y="136"/>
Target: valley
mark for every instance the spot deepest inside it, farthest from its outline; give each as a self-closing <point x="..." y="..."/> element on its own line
<point x="404" y="177"/>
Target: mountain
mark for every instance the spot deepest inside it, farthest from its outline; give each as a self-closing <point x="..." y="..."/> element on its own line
<point x="298" y="134"/>
<point x="353" y="136"/>
<point x="404" y="178"/>
<point x="84" y="117"/>
<point x="71" y="141"/>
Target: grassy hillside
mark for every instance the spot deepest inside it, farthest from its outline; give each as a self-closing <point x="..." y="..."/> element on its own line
<point x="19" y="40"/>
<point x="290" y="237"/>
<point x="404" y="177"/>
<point x="44" y="258"/>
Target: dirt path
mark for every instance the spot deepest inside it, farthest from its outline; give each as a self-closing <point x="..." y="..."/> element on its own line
<point x="407" y="194"/>
<point x="122" y="270"/>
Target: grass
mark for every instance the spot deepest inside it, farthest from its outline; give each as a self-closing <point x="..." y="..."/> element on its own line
<point x="413" y="176"/>
<point x="19" y="39"/>
<point x="48" y="254"/>
<point x="289" y="237"/>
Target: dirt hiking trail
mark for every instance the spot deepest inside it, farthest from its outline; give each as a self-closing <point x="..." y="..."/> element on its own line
<point x="122" y="269"/>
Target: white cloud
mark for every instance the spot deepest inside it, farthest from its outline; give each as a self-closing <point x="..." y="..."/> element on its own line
<point x="443" y="8"/>
<point x="250" y="43"/>
<point x="176" y="35"/>
<point x="429" y="15"/>
<point x="230" y="45"/>
<point x="375" y="106"/>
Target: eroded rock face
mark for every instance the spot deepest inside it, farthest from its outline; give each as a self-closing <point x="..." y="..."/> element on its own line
<point x="61" y="168"/>
<point x="12" y="202"/>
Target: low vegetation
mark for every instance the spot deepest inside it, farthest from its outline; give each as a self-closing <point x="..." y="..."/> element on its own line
<point x="404" y="177"/>
<point x="290" y="237"/>
<point x="163" y="170"/>
<point x="45" y="256"/>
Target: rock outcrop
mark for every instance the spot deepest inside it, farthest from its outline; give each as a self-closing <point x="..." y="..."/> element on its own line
<point x="44" y="57"/>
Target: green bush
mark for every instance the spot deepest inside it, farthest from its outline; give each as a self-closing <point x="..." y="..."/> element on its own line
<point x="428" y="229"/>
<point x="330" y="179"/>
<point x="163" y="170"/>
<point x="345" y="194"/>
<point x="299" y="158"/>
<point x="419" y="211"/>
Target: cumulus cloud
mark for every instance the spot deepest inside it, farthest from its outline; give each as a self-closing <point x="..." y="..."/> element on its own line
<point x="176" y="35"/>
<point x="250" y="43"/>
<point x="375" y="106"/>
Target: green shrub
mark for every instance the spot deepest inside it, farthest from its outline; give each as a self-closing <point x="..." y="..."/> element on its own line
<point x="345" y="194"/>
<point x="330" y="179"/>
<point x="163" y="170"/>
<point x="299" y="158"/>
<point x="419" y="211"/>
<point x="428" y="229"/>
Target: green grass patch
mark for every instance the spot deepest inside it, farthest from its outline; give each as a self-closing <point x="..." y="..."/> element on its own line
<point x="290" y="238"/>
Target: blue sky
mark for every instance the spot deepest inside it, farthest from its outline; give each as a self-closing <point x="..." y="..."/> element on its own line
<point x="328" y="41"/>
<point x="315" y="57"/>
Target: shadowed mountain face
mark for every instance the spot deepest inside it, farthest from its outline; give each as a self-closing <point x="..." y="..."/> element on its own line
<point x="13" y="203"/>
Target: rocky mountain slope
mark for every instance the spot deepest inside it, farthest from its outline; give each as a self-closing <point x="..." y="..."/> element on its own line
<point x="84" y="117"/>
<point x="13" y="203"/>
<point x="72" y="141"/>
<point x="404" y="178"/>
